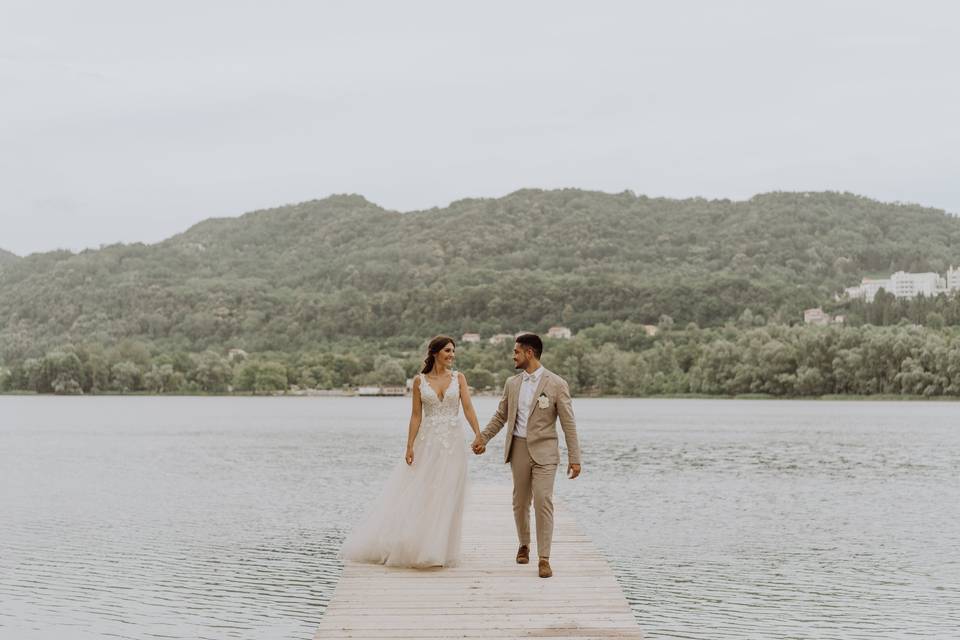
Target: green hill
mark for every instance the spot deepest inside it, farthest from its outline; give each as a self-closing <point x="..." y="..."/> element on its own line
<point x="297" y="276"/>
<point x="6" y="257"/>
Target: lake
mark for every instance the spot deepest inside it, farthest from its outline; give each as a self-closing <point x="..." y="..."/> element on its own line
<point x="189" y="517"/>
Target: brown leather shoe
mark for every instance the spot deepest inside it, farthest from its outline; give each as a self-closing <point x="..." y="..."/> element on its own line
<point x="523" y="554"/>
<point x="545" y="570"/>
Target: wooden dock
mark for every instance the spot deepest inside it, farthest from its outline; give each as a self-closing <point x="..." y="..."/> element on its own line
<point x="489" y="595"/>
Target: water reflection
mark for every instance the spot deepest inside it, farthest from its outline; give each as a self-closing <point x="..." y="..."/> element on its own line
<point x="221" y="518"/>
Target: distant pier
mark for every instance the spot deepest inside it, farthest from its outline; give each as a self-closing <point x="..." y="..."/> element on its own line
<point x="489" y="595"/>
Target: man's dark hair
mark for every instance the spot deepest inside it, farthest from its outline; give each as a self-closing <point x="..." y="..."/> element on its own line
<point x="533" y="341"/>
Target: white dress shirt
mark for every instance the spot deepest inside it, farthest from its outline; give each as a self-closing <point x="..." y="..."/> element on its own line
<point x="525" y="401"/>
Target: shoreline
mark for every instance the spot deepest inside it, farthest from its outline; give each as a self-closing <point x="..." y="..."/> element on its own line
<point x="674" y="396"/>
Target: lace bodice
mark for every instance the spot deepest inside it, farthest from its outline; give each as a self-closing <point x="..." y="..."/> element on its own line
<point x="440" y="424"/>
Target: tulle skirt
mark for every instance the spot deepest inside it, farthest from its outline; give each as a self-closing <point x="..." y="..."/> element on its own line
<point x="417" y="521"/>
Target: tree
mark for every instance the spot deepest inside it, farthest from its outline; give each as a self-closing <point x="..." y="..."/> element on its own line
<point x="271" y="376"/>
<point x="163" y="379"/>
<point x="245" y="378"/>
<point x="480" y="378"/>
<point x="810" y="382"/>
<point x="211" y="372"/>
<point x="389" y="372"/>
<point x="126" y="377"/>
<point x="60" y="372"/>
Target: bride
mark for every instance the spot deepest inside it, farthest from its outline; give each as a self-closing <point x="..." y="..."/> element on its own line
<point x="418" y="518"/>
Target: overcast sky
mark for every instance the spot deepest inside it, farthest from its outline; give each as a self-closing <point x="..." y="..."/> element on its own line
<point x="130" y="121"/>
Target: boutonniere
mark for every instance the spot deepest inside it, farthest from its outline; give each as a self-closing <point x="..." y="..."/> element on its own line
<point x="543" y="401"/>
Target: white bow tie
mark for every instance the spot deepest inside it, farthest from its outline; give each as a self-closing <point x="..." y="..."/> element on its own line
<point x="527" y="376"/>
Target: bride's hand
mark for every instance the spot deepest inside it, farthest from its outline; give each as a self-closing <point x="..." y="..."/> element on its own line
<point x="409" y="456"/>
<point x="478" y="445"/>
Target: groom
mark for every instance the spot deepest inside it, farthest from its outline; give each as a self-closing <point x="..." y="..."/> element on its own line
<point x="531" y="403"/>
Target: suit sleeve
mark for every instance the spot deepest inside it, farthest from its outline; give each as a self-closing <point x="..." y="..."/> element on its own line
<point x="499" y="418"/>
<point x="568" y="422"/>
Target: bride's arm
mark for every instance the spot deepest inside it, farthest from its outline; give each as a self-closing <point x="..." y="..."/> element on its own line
<point x="415" y="416"/>
<point x="468" y="411"/>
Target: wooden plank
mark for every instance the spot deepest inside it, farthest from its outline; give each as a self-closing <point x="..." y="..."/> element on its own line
<point x="489" y="595"/>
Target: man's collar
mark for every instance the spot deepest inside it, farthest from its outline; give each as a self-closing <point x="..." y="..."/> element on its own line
<point x="532" y="376"/>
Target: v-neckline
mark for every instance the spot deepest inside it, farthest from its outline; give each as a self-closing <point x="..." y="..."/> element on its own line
<point x="445" y="389"/>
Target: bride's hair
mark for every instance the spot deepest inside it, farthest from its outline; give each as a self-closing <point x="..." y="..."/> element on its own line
<point x="433" y="349"/>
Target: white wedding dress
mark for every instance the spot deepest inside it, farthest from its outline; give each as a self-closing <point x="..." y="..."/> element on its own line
<point x="418" y="518"/>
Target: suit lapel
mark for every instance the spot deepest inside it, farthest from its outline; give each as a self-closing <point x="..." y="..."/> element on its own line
<point x="537" y="392"/>
<point x="514" y="401"/>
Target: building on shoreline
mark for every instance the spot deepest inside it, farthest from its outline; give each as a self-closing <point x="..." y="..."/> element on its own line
<point x="382" y="391"/>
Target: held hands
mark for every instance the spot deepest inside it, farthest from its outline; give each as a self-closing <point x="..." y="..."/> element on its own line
<point x="478" y="446"/>
<point x="573" y="470"/>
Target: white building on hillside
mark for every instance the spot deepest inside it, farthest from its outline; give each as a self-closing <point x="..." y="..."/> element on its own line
<point x="903" y="284"/>
<point x="953" y="278"/>
<point x="868" y="288"/>
<point x="471" y="337"/>
<point x="559" y="332"/>
<point x="910" y="285"/>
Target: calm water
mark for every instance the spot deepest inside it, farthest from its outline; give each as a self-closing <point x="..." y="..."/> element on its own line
<point x="221" y="517"/>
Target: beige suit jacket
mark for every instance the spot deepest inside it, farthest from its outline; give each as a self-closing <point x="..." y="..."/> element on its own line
<point x="542" y="441"/>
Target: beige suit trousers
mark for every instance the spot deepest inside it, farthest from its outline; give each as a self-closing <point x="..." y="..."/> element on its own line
<point x="532" y="482"/>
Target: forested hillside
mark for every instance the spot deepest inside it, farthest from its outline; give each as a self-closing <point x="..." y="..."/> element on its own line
<point x="6" y="257"/>
<point x="300" y="276"/>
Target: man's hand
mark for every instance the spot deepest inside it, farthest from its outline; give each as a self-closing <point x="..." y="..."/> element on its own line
<point x="478" y="446"/>
<point x="573" y="470"/>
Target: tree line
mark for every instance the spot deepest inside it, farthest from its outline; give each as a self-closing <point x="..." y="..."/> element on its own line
<point x="617" y="358"/>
